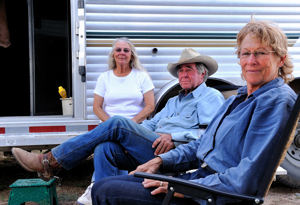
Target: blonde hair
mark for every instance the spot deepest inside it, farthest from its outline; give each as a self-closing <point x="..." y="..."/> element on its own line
<point x="134" y="62"/>
<point x="269" y="34"/>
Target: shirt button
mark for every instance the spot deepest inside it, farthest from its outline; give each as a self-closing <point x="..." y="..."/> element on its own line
<point x="177" y="113"/>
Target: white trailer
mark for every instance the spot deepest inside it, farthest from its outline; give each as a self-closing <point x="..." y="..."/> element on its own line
<point x="67" y="44"/>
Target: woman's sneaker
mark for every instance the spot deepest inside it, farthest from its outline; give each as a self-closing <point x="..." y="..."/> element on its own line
<point x="86" y="198"/>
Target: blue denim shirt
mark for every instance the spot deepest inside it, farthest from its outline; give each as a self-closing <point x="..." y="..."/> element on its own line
<point x="238" y="145"/>
<point x="182" y="114"/>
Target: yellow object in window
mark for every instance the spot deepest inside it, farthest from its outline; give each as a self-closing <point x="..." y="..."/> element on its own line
<point x="62" y="92"/>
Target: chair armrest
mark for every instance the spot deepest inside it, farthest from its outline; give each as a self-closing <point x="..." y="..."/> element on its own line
<point x="180" y="141"/>
<point x="197" y="190"/>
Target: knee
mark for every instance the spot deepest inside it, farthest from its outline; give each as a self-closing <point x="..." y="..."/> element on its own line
<point x="103" y="189"/>
<point x="117" y="118"/>
<point x="98" y="191"/>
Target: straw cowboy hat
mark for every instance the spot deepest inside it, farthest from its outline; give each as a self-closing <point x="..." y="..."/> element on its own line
<point x="189" y="55"/>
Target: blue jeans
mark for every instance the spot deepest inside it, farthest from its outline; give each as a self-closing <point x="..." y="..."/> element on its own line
<point x="109" y="141"/>
<point x="128" y="190"/>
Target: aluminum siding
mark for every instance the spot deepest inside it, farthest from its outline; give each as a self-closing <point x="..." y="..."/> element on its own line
<point x="170" y="26"/>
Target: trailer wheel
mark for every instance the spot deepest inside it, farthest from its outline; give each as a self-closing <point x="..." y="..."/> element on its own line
<point x="291" y="164"/>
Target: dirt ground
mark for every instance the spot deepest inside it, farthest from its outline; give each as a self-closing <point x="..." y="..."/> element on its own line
<point x="74" y="183"/>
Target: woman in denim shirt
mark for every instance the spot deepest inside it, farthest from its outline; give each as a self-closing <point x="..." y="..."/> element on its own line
<point x="237" y="143"/>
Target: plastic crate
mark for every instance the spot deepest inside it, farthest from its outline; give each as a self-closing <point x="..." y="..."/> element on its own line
<point x="36" y="190"/>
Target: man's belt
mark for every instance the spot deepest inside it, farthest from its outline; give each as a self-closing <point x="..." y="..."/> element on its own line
<point x="205" y="166"/>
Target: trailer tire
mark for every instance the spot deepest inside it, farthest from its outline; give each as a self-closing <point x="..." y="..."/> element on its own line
<point x="291" y="164"/>
<point x="292" y="179"/>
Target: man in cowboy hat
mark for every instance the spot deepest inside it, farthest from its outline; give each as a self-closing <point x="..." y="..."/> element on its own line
<point x="120" y="144"/>
<point x="192" y="69"/>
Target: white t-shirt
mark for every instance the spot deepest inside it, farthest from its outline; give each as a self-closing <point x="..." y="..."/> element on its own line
<point x="123" y="95"/>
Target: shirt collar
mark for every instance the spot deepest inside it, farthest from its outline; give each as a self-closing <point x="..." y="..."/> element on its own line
<point x="195" y="93"/>
<point x="274" y="83"/>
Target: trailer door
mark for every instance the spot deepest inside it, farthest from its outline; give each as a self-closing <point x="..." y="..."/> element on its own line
<point x="38" y="59"/>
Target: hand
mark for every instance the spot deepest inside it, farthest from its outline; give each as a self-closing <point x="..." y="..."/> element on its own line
<point x="163" y="144"/>
<point x="151" y="166"/>
<point x="134" y="120"/>
<point x="162" y="187"/>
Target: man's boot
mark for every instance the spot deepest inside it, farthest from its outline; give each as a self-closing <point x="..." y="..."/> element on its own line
<point x="44" y="164"/>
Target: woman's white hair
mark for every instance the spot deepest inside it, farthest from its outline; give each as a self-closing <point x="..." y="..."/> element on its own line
<point x="134" y="62"/>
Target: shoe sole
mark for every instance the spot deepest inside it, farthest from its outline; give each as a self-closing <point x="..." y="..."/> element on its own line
<point x="80" y="203"/>
<point x="20" y="162"/>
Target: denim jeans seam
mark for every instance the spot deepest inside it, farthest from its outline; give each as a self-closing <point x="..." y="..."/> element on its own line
<point x="137" y="133"/>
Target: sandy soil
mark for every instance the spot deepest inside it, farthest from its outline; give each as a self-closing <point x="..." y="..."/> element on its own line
<point x="74" y="183"/>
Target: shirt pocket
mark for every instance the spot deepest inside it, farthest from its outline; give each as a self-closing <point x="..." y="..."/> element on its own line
<point x="170" y="115"/>
<point x="188" y="112"/>
<point x="188" y="118"/>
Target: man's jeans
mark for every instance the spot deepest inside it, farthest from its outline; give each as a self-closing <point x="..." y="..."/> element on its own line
<point x="118" y="144"/>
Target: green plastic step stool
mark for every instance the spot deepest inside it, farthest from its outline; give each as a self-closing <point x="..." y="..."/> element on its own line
<point x="37" y="190"/>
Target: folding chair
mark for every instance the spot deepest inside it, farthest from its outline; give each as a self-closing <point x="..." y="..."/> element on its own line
<point x="207" y="193"/>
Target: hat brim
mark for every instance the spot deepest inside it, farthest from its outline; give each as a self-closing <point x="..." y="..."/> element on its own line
<point x="209" y="62"/>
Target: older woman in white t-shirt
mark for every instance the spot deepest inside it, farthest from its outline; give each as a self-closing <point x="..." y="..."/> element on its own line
<point x="126" y="88"/>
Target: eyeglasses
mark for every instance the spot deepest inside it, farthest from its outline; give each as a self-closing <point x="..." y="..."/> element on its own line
<point x="126" y="50"/>
<point x="257" y="54"/>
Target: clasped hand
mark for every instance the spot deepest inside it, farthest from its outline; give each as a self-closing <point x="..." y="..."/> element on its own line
<point x="153" y="166"/>
<point x="163" y="144"/>
<point x="162" y="187"/>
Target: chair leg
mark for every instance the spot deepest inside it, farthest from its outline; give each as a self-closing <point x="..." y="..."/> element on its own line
<point x="168" y="197"/>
